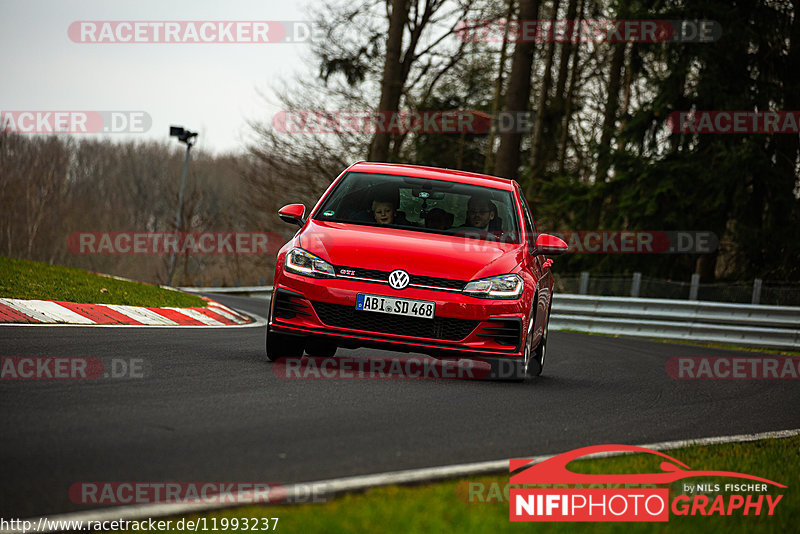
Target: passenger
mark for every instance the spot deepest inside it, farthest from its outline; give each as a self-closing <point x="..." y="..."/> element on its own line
<point x="385" y="201"/>
<point x="384" y="212"/>
<point x="384" y="206"/>
<point x="438" y="219"/>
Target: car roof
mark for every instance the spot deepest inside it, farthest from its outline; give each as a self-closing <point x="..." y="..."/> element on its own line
<point x="434" y="173"/>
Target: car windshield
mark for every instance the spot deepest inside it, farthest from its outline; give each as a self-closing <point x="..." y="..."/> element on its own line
<point x="424" y="205"/>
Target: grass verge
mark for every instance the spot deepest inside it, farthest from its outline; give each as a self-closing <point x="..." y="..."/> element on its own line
<point x="23" y="279"/>
<point x="781" y="352"/>
<point x="446" y="506"/>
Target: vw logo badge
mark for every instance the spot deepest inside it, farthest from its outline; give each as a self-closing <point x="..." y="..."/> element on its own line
<point x="399" y="279"/>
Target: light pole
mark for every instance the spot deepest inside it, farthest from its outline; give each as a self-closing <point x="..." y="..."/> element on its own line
<point x="184" y="136"/>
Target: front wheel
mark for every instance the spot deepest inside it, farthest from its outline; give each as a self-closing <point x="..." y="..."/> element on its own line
<point x="282" y="346"/>
<point x="536" y="364"/>
<point x="534" y="357"/>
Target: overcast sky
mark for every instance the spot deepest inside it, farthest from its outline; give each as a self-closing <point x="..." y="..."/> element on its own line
<point x="209" y="88"/>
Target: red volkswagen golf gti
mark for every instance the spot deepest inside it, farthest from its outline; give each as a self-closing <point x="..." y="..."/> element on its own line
<point x="416" y="259"/>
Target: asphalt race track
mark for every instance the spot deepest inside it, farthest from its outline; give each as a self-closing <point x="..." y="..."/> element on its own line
<point x="209" y="408"/>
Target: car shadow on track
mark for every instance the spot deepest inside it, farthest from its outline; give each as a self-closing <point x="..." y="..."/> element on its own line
<point x="350" y="366"/>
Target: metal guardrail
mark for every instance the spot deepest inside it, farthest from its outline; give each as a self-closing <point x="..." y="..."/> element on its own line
<point x="700" y="321"/>
<point x="770" y="293"/>
<point x="248" y="291"/>
<point x="710" y="322"/>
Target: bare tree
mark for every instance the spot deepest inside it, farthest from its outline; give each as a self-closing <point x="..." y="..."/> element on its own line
<point x="518" y="94"/>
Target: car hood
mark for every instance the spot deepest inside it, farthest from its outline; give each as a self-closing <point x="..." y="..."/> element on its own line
<point x="420" y="253"/>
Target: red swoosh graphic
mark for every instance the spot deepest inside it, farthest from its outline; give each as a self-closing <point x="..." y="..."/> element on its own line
<point x="554" y="470"/>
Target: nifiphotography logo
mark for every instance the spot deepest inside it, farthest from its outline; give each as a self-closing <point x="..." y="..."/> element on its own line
<point x="630" y="503"/>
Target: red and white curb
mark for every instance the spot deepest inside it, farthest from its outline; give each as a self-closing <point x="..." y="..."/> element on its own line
<point x="17" y="311"/>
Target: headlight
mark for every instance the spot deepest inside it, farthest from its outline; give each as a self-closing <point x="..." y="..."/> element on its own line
<point x="507" y="286"/>
<point x="301" y="262"/>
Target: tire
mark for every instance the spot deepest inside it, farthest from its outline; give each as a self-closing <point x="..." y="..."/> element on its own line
<point x="537" y="362"/>
<point x="530" y="362"/>
<point x="320" y="349"/>
<point x="281" y="346"/>
<point x="533" y="359"/>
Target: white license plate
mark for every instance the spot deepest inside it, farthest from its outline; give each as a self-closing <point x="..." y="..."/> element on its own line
<point x="395" y="306"/>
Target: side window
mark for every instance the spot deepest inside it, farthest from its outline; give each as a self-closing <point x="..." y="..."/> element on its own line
<point x="530" y="227"/>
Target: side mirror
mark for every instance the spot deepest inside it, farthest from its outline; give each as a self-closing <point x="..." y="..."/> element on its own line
<point x="550" y="245"/>
<point x="293" y="213"/>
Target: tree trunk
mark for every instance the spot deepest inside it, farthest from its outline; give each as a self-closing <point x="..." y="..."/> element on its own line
<point x="557" y="105"/>
<point x="566" y="51"/>
<point x="781" y="207"/>
<point x="536" y="163"/>
<point x="788" y="145"/>
<point x="573" y="77"/>
<point x="393" y="79"/>
<point x="488" y="164"/>
<point x="610" y="115"/>
<point x="518" y="95"/>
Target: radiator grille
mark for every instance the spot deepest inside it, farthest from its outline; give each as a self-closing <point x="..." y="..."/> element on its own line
<point x="444" y="328"/>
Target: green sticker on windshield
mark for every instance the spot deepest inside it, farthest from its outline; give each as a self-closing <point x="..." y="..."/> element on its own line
<point x="328" y="213"/>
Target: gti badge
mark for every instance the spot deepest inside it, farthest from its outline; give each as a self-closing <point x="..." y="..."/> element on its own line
<point x="399" y="279"/>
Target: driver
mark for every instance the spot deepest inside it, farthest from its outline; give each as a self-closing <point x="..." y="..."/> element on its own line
<point x="480" y="212"/>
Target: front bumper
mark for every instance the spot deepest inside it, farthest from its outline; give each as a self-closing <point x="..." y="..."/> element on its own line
<point x="464" y="326"/>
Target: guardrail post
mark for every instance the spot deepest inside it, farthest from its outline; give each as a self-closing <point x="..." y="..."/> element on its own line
<point x="636" y="284"/>
<point x="583" y="289"/>
<point x="695" y="287"/>
<point x="756" y="291"/>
